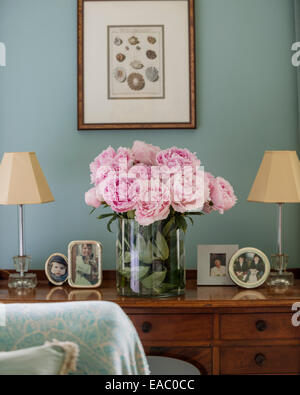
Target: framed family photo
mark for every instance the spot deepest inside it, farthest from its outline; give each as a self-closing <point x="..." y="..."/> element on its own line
<point x="249" y="267"/>
<point x="213" y="261"/>
<point x="127" y="50"/>
<point x="85" y="264"/>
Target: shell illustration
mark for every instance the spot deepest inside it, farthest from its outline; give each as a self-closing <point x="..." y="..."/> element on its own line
<point x="119" y="74"/>
<point x="136" y="64"/>
<point x="151" y="54"/>
<point x="121" y="57"/>
<point x="127" y="48"/>
<point x="118" y="41"/>
<point x="152" y="74"/>
<point x="138" y="48"/>
<point x="151" y="40"/>
<point x="136" y="81"/>
<point x="133" y="40"/>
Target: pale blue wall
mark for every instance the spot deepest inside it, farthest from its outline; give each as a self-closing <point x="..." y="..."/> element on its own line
<point x="246" y="91"/>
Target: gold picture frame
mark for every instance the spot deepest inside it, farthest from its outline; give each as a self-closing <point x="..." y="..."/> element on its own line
<point x="131" y="104"/>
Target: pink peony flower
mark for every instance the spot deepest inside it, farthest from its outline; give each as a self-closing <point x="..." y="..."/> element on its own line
<point x="123" y="160"/>
<point x="139" y="172"/>
<point x="150" y="181"/>
<point x="91" y="198"/>
<point x="154" y="205"/>
<point x="229" y="198"/>
<point x="221" y="194"/>
<point x="189" y="190"/>
<point x="216" y="195"/>
<point x="102" y="173"/>
<point x="145" y="153"/>
<point x="119" y="193"/>
<point x="104" y="159"/>
<point x="173" y="157"/>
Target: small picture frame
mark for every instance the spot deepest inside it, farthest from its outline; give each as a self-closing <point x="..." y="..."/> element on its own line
<point x="213" y="261"/>
<point x="56" y="268"/>
<point x="85" y="264"/>
<point x="249" y="268"/>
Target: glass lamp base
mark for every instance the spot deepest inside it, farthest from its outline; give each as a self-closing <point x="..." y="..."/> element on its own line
<point x="280" y="280"/>
<point x="28" y="280"/>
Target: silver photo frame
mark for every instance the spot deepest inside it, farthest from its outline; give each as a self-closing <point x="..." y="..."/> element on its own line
<point x="85" y="264"/>
<point x="249" y="268"/>
<point x="213" y="261"/>
<point x="56" y="268"/>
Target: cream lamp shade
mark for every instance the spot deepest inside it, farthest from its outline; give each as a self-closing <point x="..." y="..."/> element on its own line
<point x="22" y="180"/>
<point x="278" y="179"/>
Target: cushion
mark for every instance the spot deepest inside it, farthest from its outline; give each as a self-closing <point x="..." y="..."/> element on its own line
<point x="53" y="358"/>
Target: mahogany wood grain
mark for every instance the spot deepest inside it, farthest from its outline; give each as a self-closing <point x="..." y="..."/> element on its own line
<point x="171" y="327"/>
<point x="258" y="326"/>
<point x="206" y="298"/>
<point x="260" y="360"/>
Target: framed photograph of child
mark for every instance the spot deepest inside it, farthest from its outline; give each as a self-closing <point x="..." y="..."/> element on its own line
<point x="213" y="261"/>
<point x="85" y="264"/>
<point x="249" y="268"/>
<point x="56" y="268"/>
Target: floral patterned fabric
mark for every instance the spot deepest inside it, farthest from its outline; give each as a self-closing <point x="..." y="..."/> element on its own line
<point x="107" y="339"/>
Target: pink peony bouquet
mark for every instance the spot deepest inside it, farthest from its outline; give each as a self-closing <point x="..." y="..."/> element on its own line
<point x="149" y="184"/>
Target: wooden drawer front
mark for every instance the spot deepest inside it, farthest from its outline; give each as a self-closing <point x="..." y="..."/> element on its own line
<point x="258" y="326"/>
<point x="189" y="327"/>
<point x="260" y="360"/>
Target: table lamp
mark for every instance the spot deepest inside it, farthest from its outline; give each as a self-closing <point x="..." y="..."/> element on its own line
<point x="278" y="181"/>
<point x="22" y="182"/>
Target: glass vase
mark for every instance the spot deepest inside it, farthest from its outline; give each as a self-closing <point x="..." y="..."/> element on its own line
<point x="150" y="259"/>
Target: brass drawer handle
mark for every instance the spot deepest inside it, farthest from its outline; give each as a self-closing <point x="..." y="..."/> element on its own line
<point x="146" y="327"/>
<point x="260" y="359"/>
<point x="261" y="325"/>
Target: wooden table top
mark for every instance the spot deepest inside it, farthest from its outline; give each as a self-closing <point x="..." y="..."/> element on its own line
<point x="201" y="296"/>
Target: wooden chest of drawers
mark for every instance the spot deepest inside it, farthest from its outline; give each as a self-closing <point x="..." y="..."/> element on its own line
<point x="220" y="330"/>
<point x="222" y="342"/>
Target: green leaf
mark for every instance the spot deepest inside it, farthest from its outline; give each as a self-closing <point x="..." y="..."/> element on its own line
<point x="139" y="272"/>
<point x="125" y="259"/>
<point x="141" y="244"/>
<point x="181" y="223"/>
<point x="92" y="211"/>
<point x="102" y="216"/>
<point x="110" y="223"/>
<point x="146" y="255"/>
<point x="168" y="226"/>
<point x="154" y="280"/>
<point x="162" y="245"/>
<point x="156" y="253"/>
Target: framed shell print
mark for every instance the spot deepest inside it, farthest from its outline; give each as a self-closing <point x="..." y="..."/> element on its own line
<point x="56" y="268"/>
<point x="85" y="264"/>
<point x="127" y="50"/>
<point x="249" y="267"/>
